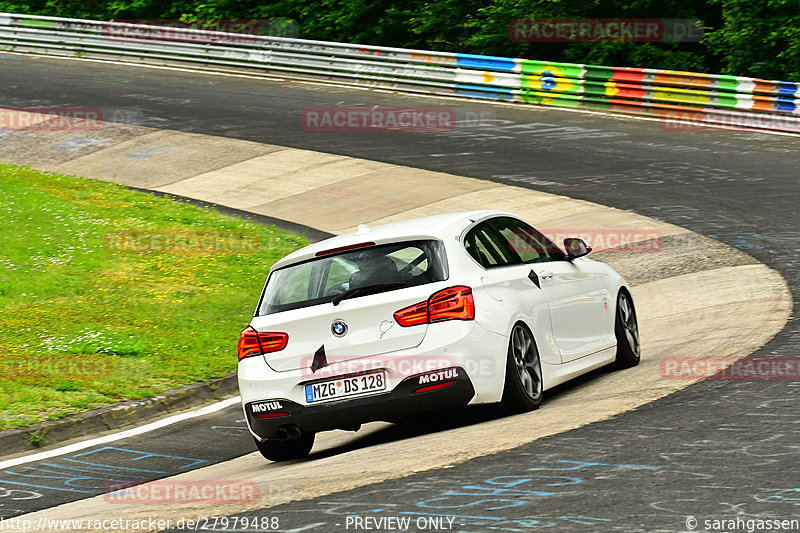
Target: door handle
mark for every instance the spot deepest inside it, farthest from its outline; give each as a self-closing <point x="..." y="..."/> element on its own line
<point x="546" y="274"/>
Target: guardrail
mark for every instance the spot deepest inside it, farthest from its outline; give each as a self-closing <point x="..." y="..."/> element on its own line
<point x="683" y="97"/>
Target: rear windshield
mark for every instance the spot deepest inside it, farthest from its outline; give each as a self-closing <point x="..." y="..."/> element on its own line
<point x="395" y="265"/>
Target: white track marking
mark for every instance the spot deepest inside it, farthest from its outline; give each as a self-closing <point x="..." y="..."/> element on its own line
<point x="158" y="424"/>
<point x="516" y="105"/>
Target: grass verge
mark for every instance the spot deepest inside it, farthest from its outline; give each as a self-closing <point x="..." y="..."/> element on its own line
<point x="110" y="294"/>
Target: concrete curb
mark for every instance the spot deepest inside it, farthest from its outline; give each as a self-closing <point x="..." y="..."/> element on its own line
<point x="307" y="232"/>
<point x="117" y="416"/>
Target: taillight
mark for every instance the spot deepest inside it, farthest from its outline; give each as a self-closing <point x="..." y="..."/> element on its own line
<point x="251" y="342"/>
<point x="452" y="303"/>
<point x="413" y="314"/>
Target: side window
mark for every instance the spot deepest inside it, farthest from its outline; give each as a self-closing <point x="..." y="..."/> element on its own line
<point x="489" y="248"/>
<point x="530" y="245"/>
<point x="411" y="261"/>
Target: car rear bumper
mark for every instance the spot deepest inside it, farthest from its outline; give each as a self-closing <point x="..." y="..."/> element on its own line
<point x="270" y="418"/>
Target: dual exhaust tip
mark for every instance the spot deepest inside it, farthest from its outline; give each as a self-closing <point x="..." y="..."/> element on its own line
<point x="289" y="432"/>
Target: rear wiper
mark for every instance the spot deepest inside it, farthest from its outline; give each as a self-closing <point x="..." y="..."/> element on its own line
<point x="355" y="291"/>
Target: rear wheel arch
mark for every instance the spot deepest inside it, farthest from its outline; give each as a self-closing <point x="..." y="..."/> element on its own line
<point x="524" y="324"/>
<point x="523" y="370"/>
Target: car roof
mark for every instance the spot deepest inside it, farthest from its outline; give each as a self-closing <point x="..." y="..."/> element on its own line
<point x="443" y="226"/>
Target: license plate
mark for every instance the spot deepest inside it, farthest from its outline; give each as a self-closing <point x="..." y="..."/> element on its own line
<point x="344" y="387"/>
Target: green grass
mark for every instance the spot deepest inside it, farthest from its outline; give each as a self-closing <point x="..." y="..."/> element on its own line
<point x="86" y="324"/>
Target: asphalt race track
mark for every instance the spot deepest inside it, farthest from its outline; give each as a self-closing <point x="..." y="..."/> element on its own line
<point x="715" y="450"/>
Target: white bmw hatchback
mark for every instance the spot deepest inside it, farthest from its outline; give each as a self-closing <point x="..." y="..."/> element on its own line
<point x="431" y="313"/>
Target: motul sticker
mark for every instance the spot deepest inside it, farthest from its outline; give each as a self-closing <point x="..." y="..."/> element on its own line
<point x="266" y="406"/>
<point x="442" y="375"/>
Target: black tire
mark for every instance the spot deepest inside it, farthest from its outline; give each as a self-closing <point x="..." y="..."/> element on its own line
<point x="626" y="329"/>
<point x="523" y="388"/>
<point x="284" y="450"/>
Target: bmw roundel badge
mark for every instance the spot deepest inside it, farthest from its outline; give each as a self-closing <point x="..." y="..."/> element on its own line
<point x="339" y="328"/>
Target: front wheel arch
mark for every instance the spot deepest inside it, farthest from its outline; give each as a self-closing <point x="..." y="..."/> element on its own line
<point x="626" y="331"/>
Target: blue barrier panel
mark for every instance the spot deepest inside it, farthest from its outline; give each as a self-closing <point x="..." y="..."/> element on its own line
<point x="503" y="64"/>
<point x="786" y="105"/>
<point x="477" y="91"/>
<point x="787" y="88"/>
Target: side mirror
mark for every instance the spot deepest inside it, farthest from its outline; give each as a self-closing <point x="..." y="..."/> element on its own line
<point x="576" y="248"/>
